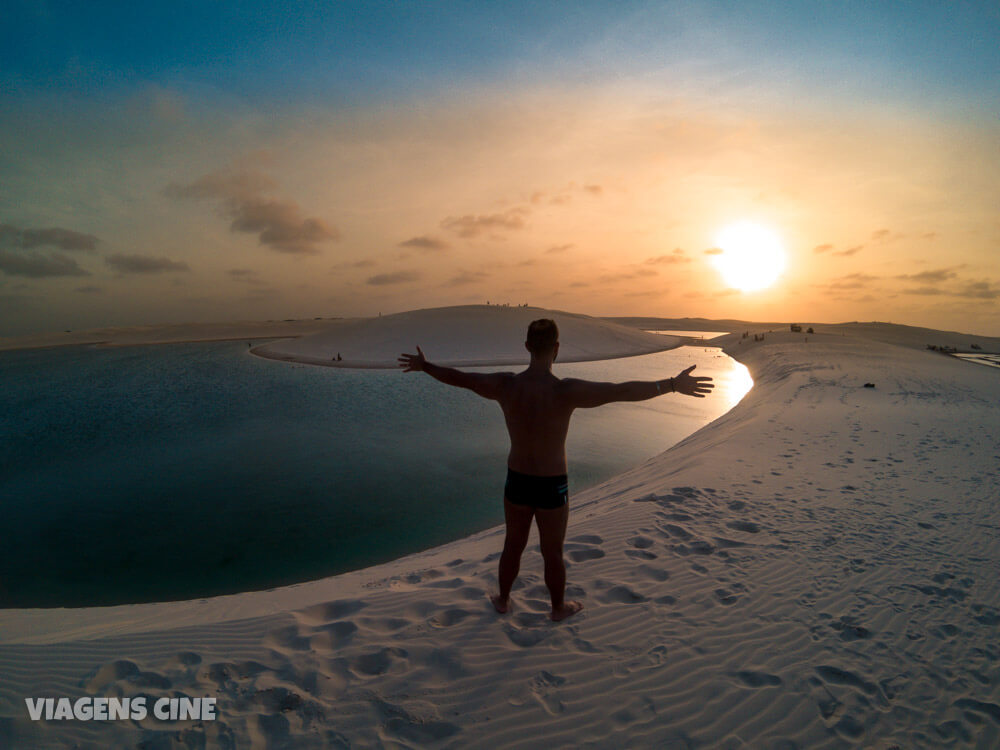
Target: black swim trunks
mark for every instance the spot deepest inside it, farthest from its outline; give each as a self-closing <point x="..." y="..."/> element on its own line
<point x="536" y="492"/>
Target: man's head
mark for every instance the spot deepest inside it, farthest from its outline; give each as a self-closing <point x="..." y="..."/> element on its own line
<point x="543" y="338"/>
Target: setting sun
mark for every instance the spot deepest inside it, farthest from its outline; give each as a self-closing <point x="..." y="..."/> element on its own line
<point x="750" y="256"/>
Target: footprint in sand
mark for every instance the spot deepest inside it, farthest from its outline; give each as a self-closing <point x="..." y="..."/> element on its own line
<point x="528" y="636"/>
<point x="582" y="555"/>
<point x="383" y="625"/>
<point x="726" y="597"/>
<point x="124" y="670"/>
<point x="223" y="673"/>
<point x="449" y="617"/>
<point x="329" y="638"/>
<point x="288" y="638"/>
<point x="849" y="631"/>
<point x="674" y="531"/>
<point x="831" y="675"/>
<point x="417" y="724"/>
<point x="544" y="688"/>
<point x="651" y="573"/>
<point x="726" y="543"/>
<point x="185" y="659"/>
<point x="754" y="679"/>
<point x="748" y="526"/>
<point x="640" y="554"/>
<point x="324" y="613"/>
<point x="640" y="548"/>
<point x="701" y="547"/>
<point x="379" y="662"/>
<point x="986" y="615"/>
<point x="652" y="659"/>
<point x="620" y="594"/>
<point x="110" y="673"/>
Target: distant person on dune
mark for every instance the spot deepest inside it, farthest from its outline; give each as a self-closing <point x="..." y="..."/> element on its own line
<point x="537" y="407"/>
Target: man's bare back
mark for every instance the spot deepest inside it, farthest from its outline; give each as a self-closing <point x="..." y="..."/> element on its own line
<point x="537" y="407"/>
<point x="537" y="410"/>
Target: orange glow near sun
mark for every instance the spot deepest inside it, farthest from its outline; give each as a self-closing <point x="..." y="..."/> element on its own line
<point x="752" y="257"/>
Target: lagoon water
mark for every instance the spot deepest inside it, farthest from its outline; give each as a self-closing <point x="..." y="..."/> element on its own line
<point x="190" y="470"/>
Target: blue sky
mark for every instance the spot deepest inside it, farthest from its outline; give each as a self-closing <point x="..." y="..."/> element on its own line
<point x="368" y="50"/>
<point x="210" y="161"/>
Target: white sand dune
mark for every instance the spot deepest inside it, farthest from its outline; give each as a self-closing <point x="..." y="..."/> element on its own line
<point x="466" y="335"/>
<point x="815" y="569"/>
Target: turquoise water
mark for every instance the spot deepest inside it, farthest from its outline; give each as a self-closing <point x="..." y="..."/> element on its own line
<point x="190" y="470"/>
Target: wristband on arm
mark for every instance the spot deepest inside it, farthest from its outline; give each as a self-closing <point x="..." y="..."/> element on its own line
<point x="673" y="388"/>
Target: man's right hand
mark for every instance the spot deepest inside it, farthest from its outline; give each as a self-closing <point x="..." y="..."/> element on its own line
<point x="412" y="362"/>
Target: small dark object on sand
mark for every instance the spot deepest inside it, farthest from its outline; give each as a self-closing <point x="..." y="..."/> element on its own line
<point x="869" y="385"/>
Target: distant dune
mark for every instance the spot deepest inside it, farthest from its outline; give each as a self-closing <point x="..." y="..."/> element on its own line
<point x="887" y="333"/>
<point x="464" y="335"/>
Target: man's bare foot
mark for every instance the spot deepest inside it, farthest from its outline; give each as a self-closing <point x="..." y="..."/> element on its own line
<point x="500" y="604"/>
<point x="566" y="610"/>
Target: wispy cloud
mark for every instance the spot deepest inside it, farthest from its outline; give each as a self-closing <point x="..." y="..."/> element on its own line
<point x="929" y="277"/>
<point x="612" y="278"/>
<point x="470" y="226"/>
<point x="246" y="275"/>
<point x="57" y="237"/>
<point x="424" y="243"/>
<point x="852" y="281"/>
<point x="677" y="256"/>
<point x="849" y="251"/>
<point x="886" y="235"/>
<point x="559" y="248"/>
<point x="980" y="290"/>
<point x="89" y="289"/>
<point x="144" y="264"/>
<point x="39" y="266"/>
<point x="822" y="248"/>
<point x="363" y="263"/>
<point x="395" y="277"/>
<point x="14" y="261"/>
<point x="277" y="222"/>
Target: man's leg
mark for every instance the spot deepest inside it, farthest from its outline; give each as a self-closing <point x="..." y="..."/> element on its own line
<point x="551" y="534"/>
<point x="518" y="519"/>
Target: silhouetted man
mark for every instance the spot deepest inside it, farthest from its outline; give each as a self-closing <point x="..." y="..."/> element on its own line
<point x="537" y="406"/>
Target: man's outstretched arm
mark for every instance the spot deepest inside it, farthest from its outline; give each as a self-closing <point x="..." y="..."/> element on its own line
<point x="585" y="394"/>
<point x="487" y="385"/>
